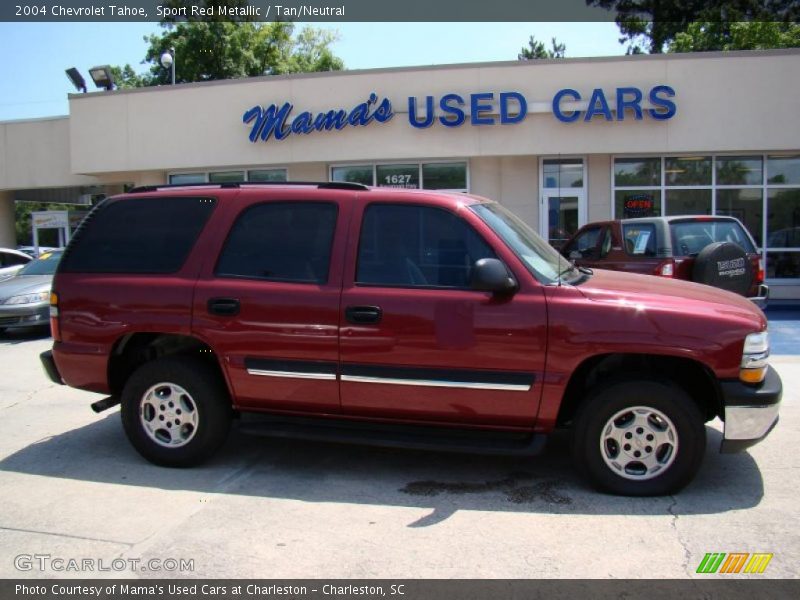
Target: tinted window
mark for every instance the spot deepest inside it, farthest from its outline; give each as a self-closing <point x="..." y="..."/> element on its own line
<point x="138" y="235"/>
<point x="639" y="239"/>
<point x="689" y="238"/>
<point x="9" y="260"/>
<point x="585" y="245"/>
<point x="281" y="241"/>
<point x="417" y="246"/>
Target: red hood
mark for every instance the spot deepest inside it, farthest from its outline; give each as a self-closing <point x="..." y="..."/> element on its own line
<point x="659" y="293"/>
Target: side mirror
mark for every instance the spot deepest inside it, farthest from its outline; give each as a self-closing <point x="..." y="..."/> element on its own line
<point x="491" y="275"/>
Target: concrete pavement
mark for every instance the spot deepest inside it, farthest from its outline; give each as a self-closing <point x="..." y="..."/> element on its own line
<point x="72" y="487"/>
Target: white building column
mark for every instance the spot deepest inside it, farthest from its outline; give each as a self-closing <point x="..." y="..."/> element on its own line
<point x="8" y="232"/>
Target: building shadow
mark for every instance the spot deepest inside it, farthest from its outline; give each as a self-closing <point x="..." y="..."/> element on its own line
<point x="328" y="472"/>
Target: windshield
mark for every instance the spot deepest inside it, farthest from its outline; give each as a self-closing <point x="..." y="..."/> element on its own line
<point x="541" y="259"/>
<point x="44" y="265"/>
<point x="690" y="237"/>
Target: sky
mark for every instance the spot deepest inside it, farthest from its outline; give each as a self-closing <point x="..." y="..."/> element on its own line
<point x="35" y="55"/>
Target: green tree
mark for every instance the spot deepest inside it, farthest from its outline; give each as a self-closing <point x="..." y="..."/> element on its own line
<point x="651" y="25"/>
<point x="754" y="35"/>
<point x="210" y="48"/>
<point x="537" y="50"/>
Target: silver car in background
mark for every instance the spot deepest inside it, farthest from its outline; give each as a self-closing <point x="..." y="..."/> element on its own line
<point x="25" y="297"/>
<point x="12" y="261"/>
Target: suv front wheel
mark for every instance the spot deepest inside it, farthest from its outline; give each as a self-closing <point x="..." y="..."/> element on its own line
<point x="175" y="411"/>
<point x="639" y="438"/>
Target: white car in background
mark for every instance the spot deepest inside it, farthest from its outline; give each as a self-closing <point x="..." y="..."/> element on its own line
<point x="12" y="261"/>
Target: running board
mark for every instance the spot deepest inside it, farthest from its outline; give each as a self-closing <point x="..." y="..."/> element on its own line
<point x="418" y="437"/>
<point x="105" y="404"/>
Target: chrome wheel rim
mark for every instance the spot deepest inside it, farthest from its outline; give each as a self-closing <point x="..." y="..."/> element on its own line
<point x="168" y="415"/>
<point x="639" y="443"/>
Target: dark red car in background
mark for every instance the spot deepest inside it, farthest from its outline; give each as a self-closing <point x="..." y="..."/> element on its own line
<point x="716" y="251"/>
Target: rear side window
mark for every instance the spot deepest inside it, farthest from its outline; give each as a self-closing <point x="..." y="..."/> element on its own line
<point x="585" y="245"/>
<point x="639" y="239"/>
<point x="281" y="241"/>
<point x="417" y="246"/>
<point x="11" y="260"/>
<point x="690" y="237"/>
<point x="138" y="235"/>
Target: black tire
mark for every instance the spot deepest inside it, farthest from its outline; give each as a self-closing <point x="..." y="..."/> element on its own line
<point x="724" y="265"/>
<point x="205" y="392"/>
<point x="671" y="401"/>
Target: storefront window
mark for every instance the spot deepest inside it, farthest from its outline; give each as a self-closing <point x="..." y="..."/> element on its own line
<point x="687" y="170"/>
<point x="629" y="172"/>
<point x="266" y="175"/>
<point x="739" y="170"/>
<point x="354" y="174"/>
<point x="746" y="205"/>
<point x="770" y="212"/>
<point x="783" y="170"/>
<point x="229" y="176"/>
<point x="630" y="204"/>
<point x="444" y="176"/>
<point x="226" y="177"/>
<point x="783" y="265"/>
<point x="432" y="176"/>
<point x="688" y="202"/>
<point x="184" y="178"/>
<point x="397" y="176"/>
<point x="783" y="223"/>
<point x="559" y="173"/>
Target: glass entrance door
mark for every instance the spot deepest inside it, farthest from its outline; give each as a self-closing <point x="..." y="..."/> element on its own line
<point x="563" y="199"/>
<point x="562" y="215"/>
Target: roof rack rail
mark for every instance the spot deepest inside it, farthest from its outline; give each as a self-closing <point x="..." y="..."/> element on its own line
<point x="323" y="185"/>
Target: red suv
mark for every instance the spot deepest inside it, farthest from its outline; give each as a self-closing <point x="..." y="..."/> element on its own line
<point x="414" y="318"/>
<point x="716" y="251"/>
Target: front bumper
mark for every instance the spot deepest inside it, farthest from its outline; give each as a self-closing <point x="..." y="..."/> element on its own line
<point x="751" y="412"/>
<point x="25" y="315"/>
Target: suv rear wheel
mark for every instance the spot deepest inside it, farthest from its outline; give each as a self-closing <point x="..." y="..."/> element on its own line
<point x="175" y="411"/>
<point x="639" y="438"/>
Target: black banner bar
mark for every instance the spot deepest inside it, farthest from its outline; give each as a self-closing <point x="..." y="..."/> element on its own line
<point x="715" y="587"/>
<point x="302" y="11"/>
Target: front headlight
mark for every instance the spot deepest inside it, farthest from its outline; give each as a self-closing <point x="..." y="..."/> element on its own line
<point x="754" y="358"/>
<point x="28" y="298"/>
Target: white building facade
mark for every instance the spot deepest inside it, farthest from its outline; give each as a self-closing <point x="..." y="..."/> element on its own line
<point x="560" y="142"/>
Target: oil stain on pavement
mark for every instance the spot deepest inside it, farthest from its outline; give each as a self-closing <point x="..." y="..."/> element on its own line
<point x="515" y="487"/>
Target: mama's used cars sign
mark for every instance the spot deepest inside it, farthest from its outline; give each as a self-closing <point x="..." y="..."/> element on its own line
<point x="454" y="110"/>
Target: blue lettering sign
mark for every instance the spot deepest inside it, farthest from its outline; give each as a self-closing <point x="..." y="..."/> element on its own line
<point x="446" y="105"/>
<point x="522" y="108"/>
<point x="412" y="112"/>
<point x="570" y="116"/>
<point x="276" y="121"/>
<point x="477" y="109"/>
<point x="273" y="121"/>
<point x="628" y="99"/>
<point x="668" y="105"/>
<point x="632" y="103"/>
<point x="598" y="106"/>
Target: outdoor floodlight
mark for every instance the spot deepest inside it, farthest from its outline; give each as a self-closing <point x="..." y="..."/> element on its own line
<point x="77" y="79"/>
<point x="168" y="62"/>
<point x="102" y="77"/>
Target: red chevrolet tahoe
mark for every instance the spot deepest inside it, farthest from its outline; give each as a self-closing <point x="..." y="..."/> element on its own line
<point x="394" y="317"/>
